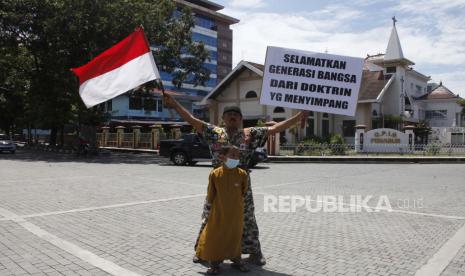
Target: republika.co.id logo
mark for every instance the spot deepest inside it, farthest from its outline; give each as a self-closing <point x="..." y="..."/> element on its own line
<point x="326" y="203"/>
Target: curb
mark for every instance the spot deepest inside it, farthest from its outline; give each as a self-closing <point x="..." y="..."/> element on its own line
<point x="130" y="150"/>
<point x="366" y="159"/>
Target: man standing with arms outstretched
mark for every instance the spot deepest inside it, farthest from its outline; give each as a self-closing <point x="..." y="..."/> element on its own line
<point x="247" y="140"/>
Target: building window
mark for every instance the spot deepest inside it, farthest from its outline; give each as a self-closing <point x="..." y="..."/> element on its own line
<point x="348" y="128"/>
<point x="278" y="110"/>
<point x="325" y="128"/>
<point x="374" y="124"/>
<point x="436" y="114"/>
<point x="325" y="115"/>
<point x="214" y="55"/>
<point x="159" y="106"/>
<point x="418" y="89"/>
<point x="204" y="22"/>
<point x="135" y="103"/>
<point x="150" y="104"/>
<point x="251" y="94"/>
<point x="406" y="100"/>
<point x="310" y="127"/>
<point x="208" y="40"/>
<point x="391" y="70"/>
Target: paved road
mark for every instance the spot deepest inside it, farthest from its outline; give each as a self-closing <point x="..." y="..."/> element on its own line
<point x="134" y="214"/>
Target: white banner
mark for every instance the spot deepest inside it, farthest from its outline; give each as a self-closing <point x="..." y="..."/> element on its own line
<point x="312" y="81"/>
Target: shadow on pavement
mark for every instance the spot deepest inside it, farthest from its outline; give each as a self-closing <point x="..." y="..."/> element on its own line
<point x="226" y="269"/>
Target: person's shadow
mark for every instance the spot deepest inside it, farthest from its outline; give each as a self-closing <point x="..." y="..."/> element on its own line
<point x="227" y="270"/>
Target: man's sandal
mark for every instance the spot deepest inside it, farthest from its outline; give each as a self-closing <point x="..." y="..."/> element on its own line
<point x="196" y="259"/>
<point x="214" y="270"/>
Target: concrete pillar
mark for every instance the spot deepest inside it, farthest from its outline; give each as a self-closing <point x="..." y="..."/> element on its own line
<point x="104" y="138"/>
<point x="119" y="136"/>
<point x="411" y="137"/>
<point x="176" y="131"/>
<point x="155" y="131"/>
<point x="272" y="143"/>
<point x="136" y="136"/>
<point x="359" y="137"/>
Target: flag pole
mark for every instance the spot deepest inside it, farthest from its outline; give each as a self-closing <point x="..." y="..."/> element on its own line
<point x="159" y="81"/>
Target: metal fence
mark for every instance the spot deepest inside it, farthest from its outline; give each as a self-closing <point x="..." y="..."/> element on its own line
<point x="384" y="149"/>
<point x="145" y="141"/>
<point x="128" y="140"/>
<point x="112" y="140"/>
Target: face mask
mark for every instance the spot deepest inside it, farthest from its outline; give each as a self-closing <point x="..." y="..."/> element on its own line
<point x="231" y="163"/>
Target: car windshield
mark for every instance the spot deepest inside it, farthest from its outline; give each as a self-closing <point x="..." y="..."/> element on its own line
<point x="4" y="137"/>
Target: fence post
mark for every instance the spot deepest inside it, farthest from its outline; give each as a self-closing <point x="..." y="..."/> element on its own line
<point x="136" y="136"/>
<point x="119" y="136"/>
<point x="155" y="136"/>
<point x="359" y="137"/>
<point x="411" y="137"/>
<point x="176" y="131"/>
<point x="104" y="138"/>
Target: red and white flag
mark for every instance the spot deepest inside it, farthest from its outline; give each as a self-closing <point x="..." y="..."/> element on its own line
<point x="119" y="69"/>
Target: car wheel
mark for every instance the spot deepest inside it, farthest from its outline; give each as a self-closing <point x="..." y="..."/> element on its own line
<point x="252" y="164"/>
<point x="179" y="158"/>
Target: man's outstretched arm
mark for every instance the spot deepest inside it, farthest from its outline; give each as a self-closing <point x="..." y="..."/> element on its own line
<point x="188" y="117"/>
<point x="281" y="126"/>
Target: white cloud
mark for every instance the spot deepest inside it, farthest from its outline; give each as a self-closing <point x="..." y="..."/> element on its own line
<point x="430" y="38"/>
<point x="300" y="31"/>
<point x="452" y="80"/>
<point x="429" y="7"/>
<point x="251" y="4"/>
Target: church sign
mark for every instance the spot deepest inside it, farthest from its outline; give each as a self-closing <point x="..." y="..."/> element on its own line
<point x="311" y="81"/>
<point x="387" y="140"/>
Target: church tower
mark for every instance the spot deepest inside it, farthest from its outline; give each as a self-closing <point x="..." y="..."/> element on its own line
<point x="395" y="64"/>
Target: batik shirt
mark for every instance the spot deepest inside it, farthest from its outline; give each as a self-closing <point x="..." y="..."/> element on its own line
<point x="217" y="137"/>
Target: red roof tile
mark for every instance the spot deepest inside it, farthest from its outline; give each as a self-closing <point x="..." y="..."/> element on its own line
<point x="439" y="93"/>
<point x="372" y="84"/>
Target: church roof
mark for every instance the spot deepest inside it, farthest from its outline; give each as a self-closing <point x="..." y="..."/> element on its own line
<point x="394" y="53"/>
<point x="240" y="67"/>
<point x="374" y="83"/>
<point x="373" y="86"/>
<point x="394" y="50"/>
<point x="439" y="93"/>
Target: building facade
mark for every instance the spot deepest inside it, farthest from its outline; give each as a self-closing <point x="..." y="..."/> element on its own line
<point x="392" y="94"/>
<point x="213" y="29"/>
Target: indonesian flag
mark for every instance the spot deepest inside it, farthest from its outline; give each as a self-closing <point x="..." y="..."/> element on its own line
<point x="119" y="69"/>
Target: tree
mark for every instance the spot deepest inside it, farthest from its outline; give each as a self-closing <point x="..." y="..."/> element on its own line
<point x="57" y="35"/>
<point x="462" y="103"/>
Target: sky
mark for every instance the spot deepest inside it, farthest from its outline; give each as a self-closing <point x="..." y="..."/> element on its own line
<point x="431" y="32"/>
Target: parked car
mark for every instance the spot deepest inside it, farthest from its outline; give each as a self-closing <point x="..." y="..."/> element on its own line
<point x="259" y="155"/>
<point x="192" y="148"/>
<point x="6" y="144"/>
<point x="188" y="150"/>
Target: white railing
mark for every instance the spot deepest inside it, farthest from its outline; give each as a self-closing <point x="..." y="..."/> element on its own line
<point x="351" y="149"/>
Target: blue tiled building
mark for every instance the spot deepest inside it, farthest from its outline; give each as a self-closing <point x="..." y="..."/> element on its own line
<point x="213" y="29"/>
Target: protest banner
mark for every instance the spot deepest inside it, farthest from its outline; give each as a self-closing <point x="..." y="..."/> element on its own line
<point x="311" y="81"/>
